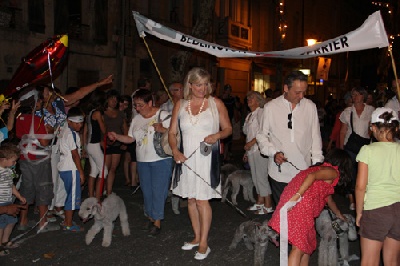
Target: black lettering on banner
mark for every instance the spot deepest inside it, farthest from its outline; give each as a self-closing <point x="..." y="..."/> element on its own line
<point x="324" y="49"/>
<point x="343" y="41"/>
<point x="336" y="45"/>
<point x="183" y="38"/>
<point x="195" y="42"/>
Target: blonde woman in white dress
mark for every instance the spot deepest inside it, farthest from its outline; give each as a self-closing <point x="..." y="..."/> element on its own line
<point x="202" y="118"/>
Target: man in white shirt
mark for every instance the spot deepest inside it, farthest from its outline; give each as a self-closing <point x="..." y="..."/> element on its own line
<point x="176" y="91"/>
<point x="393" y="103"/>
<point x="289" y="133"/>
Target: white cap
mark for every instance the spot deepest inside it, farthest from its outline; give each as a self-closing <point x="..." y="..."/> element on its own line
<point x="375" y="117"/>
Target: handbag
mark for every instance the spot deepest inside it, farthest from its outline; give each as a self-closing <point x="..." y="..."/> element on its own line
<point x="165" y="144"/>
<point x="355" y="141"/>
<point x="157" y="139"/>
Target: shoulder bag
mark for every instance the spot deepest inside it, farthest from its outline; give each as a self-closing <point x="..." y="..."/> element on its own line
<point x="355" y="141"/>
<point x="157" y="139"/>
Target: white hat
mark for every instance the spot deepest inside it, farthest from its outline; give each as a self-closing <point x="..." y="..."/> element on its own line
<point x="375" y="117"/>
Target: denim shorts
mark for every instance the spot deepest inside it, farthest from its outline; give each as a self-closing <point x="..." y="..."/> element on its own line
<point x="6" y="219"/>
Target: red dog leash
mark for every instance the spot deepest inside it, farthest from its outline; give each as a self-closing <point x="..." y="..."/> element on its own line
<point x="104" y="163"/>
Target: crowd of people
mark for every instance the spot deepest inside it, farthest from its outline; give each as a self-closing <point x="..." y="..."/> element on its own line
<point x="288" y="155"/>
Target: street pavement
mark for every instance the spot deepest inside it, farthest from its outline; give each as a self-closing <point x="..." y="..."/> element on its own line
<point x="69" y="248"/>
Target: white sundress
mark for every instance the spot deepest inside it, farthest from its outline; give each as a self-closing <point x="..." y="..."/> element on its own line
<point x="190" y="185"/>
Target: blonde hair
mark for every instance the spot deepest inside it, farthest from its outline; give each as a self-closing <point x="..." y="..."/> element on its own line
<point x="195" y="75"/>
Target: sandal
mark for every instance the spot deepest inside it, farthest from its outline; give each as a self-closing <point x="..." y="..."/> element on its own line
<point x="3" y="251"/>
<point x="264" y="210"/>
<point x="73" y="228"/>
<point x="9" y="244"/>
<point x="59" y="214"/>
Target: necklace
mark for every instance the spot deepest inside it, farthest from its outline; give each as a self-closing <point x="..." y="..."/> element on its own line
<point x="195" y="118"/>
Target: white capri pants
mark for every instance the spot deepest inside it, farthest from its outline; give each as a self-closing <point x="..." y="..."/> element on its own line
<point x="96" y="160"/>
<point x="259" y="173"/>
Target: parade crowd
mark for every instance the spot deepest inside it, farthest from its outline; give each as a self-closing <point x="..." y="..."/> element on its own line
<point x="297" y="151"/>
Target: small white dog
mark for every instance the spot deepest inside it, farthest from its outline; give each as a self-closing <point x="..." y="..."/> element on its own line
<point x="236" y="179"/>
<point x="104" y="215"/>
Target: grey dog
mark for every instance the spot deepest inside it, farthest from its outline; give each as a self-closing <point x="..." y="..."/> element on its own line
<point x="328" y="254"/>
<point x="226" y="170"/>
<point x="257" y="234"/>
<point x="237" y="179"/>
<point x="104" y="215"/>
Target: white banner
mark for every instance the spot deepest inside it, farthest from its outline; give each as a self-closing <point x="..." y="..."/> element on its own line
<point x="371" y="34"/>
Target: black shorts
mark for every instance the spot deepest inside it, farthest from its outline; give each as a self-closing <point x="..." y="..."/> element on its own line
<point x="114" y="150"/>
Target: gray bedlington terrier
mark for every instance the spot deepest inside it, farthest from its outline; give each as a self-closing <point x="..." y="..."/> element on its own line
<point x="235" y="180"/>
<point x="328" y="253"/>
<point x="258" y="234"/>
<point x="104" y="215"/>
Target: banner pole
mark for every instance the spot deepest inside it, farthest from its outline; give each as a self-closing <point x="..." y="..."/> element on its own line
<point x="395" y="73"/>
<point x="158" y="71"/>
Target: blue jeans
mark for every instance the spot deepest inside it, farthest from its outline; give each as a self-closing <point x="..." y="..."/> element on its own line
<point x="155" y="178"/>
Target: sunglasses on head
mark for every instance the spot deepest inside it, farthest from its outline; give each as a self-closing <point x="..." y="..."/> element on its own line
<point x="289" y="124"/>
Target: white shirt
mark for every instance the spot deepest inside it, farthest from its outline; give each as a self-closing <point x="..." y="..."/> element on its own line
<point x="394" y="105"/>
<point x="142" y="131"/>
<point x="360" y="124"/>
<point x="167" y="106"/>
<point x="251" y="127"/>
<point x="301" y="145"/>
<point x="67" y="144"/>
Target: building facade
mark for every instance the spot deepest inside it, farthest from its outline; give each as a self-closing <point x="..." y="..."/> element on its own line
<point x="103" y="40"/>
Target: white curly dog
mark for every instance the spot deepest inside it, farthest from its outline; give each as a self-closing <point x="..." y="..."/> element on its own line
<point x="104" y="215"/>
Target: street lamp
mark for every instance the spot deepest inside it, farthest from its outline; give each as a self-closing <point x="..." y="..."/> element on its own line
<point x="311" y="42"/>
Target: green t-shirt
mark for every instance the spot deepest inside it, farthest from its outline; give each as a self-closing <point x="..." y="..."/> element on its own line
<point x="383" y="160"/>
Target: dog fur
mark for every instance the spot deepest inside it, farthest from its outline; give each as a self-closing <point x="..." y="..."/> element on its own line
<point x="236" y="179"/>
<point x="328" y="254"/>
<point x="104" y="215"/>
<point x="257" y="234"/>
<point x="226" y="170"/>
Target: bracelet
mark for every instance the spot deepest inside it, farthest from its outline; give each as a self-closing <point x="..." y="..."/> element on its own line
<point x="297" y="193"/>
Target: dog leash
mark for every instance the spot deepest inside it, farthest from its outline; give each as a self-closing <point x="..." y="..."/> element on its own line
<point x="219" y="193"/>
<point x="287" y="161"/>
<point x="30" y="229"/>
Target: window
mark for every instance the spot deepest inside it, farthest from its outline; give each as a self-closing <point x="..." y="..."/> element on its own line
<point x="36" y="16"/>
<point x="67" y="18"/>
<point x="101" y="19"/>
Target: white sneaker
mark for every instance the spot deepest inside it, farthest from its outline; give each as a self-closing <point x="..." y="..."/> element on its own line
<point x="189" y="246"/>
<point x="264" y="210"/>
<point x="202" y="256"/>
<point x="255" y="207"/>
